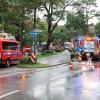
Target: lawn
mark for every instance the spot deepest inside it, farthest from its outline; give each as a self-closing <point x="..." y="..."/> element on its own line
<point x="37" y="65"/>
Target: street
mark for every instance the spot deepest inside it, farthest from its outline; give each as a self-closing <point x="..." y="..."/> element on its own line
<point x="56" y="59"/>
<point x="49" y="49"/>
<point x="56" y="83"/>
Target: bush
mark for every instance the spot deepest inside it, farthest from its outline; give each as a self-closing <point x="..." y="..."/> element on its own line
<point x="73" y="55"/>
<point x="58" y="50"/>
<point x="48" y="52"/>
<point x="72" y="50"/>
<point x="26" y="60"/>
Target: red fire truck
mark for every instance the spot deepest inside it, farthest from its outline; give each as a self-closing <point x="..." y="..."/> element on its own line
<point x="89" y="44"/>
<point x="9" y="52"/>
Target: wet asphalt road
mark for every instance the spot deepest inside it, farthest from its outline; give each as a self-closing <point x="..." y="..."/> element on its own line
<point x="56" y="83"/>
<point x="56" y="59"/>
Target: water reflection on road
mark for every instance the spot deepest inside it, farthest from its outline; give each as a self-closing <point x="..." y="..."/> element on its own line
<point x="43" y="86"/>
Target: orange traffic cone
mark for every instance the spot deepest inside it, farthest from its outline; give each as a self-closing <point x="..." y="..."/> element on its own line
<point x="79" y="65"/>
<point x="71" y="66"/>
<point x="97" y="64"/>
<point x="90" y="63"/>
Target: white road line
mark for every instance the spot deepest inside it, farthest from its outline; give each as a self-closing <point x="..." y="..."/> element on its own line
<point x="7" y="75"/>
<point x="58" y="77"/>
<point x="10" y="93"/>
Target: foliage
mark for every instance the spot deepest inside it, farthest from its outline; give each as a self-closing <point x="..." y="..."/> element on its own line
<point x="60" y="34"/>
<point x="55" y="11"/>
<point x="72" y="50"/>
<point x="59" y="50"/>
<point x="48" y="52"/>
<point x="11" y="29"/>
<point x="97" y="28"/>
<point x="87" y="9"/>
<point x="37" y="65"/>
<point x="42" y="37"/>
<point x="75" y="23"/>
<point x="19" y="17"/>
<point x="73" y="53"/>
<point x="27" y="63"/>
<point x="26" y="60"/>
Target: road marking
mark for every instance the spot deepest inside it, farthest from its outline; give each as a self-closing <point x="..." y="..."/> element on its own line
<point x="10" y="93"/>
<point x="58" y="77"/>
<point x="7" y="75"/>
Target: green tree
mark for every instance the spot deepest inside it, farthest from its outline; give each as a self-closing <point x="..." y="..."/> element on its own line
<point x="87" y="7"/>
<point x="32" y="6"/>
<point x="60" y="33"/>
<point x="42" y="37"/>
<point x="3" y="11"/>
<point x="97" y="28"/>
<point x="55" y="11"/>
<point x="75" y="23"/>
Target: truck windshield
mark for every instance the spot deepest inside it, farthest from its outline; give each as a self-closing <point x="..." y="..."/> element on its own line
<point x="9" y="45"/>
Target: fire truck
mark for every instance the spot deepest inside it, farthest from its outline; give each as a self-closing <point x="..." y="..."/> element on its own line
<point x="9" y="50"/>
<point x="89" y="44"/>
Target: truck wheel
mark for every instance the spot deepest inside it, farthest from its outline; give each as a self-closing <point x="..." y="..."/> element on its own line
<point x="8" y="63"/>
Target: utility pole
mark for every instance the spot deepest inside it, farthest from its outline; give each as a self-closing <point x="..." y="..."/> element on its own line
<point x="20" y="30"/>
<point x="34" y="41"/>
<point x="34" y="27"/>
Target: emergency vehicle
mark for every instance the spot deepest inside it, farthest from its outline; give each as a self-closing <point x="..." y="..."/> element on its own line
<point x="89" y="44"/>
<point x="9" y="50"/>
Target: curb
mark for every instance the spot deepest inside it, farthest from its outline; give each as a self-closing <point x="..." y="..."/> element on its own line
<point x="73" y="60"/>
<point x="57" y="64"/>
<point x="43" y="67"/>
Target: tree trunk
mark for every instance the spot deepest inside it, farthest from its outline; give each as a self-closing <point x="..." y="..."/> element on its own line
<point x="21" y="27"/>
<point x="49" y="34"/>
<point x="34" y="24"/>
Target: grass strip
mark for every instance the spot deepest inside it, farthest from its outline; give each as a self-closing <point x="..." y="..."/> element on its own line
<point x="37" y="65"/>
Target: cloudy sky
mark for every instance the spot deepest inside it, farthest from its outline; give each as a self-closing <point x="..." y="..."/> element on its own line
<point x="94" y="20"/>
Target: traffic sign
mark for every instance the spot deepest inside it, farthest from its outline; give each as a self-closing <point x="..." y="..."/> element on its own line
<point x="33" y="33"/>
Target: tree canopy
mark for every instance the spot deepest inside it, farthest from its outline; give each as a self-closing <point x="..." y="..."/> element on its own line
<point x="19" y="17"/>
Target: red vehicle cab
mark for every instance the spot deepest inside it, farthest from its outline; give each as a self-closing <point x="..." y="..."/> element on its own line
<point x="9" y="52"/>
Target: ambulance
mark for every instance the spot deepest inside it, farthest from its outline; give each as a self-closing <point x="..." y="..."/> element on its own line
<point x="9" y="50"/>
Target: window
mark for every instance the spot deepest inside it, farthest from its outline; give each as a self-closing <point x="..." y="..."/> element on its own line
<point x="10" y="45"/>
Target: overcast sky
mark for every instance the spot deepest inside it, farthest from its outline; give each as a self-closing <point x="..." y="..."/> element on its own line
<point x="94" y="20"/>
